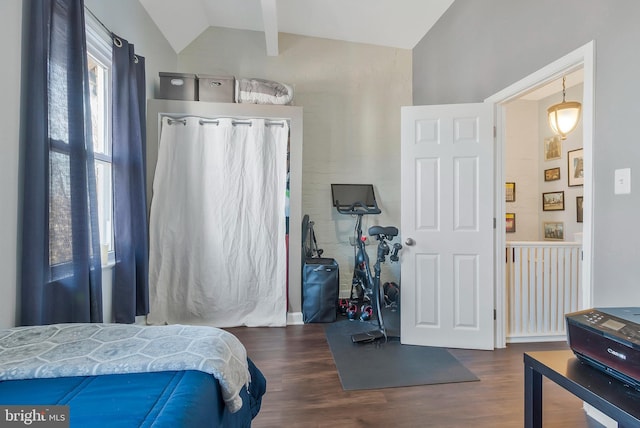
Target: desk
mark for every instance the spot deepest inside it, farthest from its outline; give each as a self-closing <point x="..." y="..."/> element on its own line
<point x="600" y="390"/>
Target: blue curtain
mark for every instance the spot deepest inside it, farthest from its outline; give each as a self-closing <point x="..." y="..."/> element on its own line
<point x="61" y="274"/>
<point x="130" y="287"/>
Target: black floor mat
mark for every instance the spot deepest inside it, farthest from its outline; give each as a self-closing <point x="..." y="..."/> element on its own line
<point x="387" y="364"/>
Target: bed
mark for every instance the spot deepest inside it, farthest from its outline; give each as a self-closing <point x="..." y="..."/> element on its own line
<point x="122" y="375"/>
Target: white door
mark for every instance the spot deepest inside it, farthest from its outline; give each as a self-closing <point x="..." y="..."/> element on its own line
<point x="448" y="227"/>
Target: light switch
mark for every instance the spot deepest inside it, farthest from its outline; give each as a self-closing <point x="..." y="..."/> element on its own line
<point x="622" y="179"/>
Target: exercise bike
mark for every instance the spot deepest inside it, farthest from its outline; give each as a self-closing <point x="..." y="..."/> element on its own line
<point x="365" y="287"/>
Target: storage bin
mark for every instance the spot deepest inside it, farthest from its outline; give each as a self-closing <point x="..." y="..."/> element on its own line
<point x="218" y="89"/>
<point x="178" y="86"/>
<point x="320" y="288"/>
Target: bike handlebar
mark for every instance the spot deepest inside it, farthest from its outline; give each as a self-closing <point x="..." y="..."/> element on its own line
<point x="357" y="207"/>
<point x="394" y="254"/>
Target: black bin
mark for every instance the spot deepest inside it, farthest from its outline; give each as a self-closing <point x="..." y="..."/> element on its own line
<point x="320" y="285"/>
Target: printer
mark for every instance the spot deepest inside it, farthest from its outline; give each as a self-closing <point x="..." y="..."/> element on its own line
<point x="609" y="340"/>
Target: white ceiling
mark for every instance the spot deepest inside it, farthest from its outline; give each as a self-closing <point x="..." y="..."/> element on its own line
<point x="392" y="23"/>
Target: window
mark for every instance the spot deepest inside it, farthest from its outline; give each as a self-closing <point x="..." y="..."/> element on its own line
<point x="99" y="64"/>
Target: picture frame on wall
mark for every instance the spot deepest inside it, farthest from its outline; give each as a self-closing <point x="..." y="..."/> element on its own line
<point x="552" y="174"/>
<point x="579" y="201"/>
<point x="510" y="192"/>
<point x="553" y="201"/>
<point x="553" y="230"/>
<point x="552" y="148"/>
<point x="575" y="170"/>
<point x="510" y="222"/>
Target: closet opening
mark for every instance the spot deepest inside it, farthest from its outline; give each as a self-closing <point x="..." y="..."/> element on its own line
<point x="252" y="195"/>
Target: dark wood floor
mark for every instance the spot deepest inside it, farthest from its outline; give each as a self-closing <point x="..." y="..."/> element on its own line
<point x="303" y="388"/>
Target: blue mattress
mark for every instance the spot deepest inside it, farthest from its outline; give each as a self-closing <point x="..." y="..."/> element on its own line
<point x="159" y="399"/>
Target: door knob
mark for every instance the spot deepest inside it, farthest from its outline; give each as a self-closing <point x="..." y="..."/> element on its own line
<point x="409" y="242"/>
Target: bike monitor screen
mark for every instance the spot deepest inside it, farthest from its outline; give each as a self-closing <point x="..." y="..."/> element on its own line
<point x="348" y="194"/>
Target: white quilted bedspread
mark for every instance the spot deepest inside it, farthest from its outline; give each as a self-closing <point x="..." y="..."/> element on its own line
<point x="61" y="350"/>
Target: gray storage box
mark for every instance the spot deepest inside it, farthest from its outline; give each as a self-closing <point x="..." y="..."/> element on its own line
<point x="218" y="89"/>
<point x="178" y="86"/>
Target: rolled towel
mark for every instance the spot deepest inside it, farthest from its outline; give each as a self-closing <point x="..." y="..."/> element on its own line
<point x="260" y="91"/>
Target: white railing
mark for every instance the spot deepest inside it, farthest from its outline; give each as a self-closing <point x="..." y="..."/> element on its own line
<point x="543" y="284"/>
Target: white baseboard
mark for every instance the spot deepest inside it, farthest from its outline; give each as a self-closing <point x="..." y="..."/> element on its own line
<point x="600" y="417"/>
<point x="294" y="318"/>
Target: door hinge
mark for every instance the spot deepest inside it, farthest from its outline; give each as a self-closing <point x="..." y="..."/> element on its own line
<point x="495" y="315"/>
<point x="494" y="222"/>
<point x="495" y="132"/>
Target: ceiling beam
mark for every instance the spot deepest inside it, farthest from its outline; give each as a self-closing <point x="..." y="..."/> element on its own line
<point x="270" y="20"/>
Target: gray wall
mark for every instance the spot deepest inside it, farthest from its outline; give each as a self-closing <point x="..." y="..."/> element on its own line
<point x="11" y="32"/>
<point x="129" y="20"/>
<point x="351" y="96"/>
<point x="481" y="47"/>
<point x="126" y="18"/>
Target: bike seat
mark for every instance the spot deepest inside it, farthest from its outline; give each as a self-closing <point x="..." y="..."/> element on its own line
<point x="379" y="230"/>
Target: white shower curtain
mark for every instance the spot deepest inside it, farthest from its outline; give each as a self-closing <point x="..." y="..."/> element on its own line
<point x="217" y="225"/>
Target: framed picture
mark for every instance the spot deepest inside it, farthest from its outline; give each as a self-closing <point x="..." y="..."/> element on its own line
<point x="553" y="230"/>
<point x="510" y="192"/>
<point x="579" y="200"/>
<point x="553" y="201"/>
<point x="552" y="174"/>
<point x="552" y="148"/>
<point x="510" y="221"/>
<point x="576" y="167"/>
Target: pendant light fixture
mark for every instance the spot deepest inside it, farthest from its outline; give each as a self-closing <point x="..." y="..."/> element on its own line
<point x="563" y="117"/>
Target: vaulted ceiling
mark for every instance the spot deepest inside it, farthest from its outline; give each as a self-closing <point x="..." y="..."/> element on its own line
<point x="393" y="23"/>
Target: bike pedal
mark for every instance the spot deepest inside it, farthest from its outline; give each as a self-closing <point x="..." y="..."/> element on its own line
<point x="367" y="337"/>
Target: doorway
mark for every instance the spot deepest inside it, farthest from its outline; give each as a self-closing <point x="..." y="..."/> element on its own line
<point x="581" y="58"/>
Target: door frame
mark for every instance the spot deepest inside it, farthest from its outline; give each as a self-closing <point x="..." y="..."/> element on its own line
<point x="583" y="57"/>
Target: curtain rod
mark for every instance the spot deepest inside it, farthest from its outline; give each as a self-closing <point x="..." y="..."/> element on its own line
<point x="234" y="122"/>
<point x="112" y="36"/>
<point x="93" y="15"/>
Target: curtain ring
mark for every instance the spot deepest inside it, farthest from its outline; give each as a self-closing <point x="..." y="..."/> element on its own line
<point x="135" y="59"/>
<point x="117" y="42"/>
